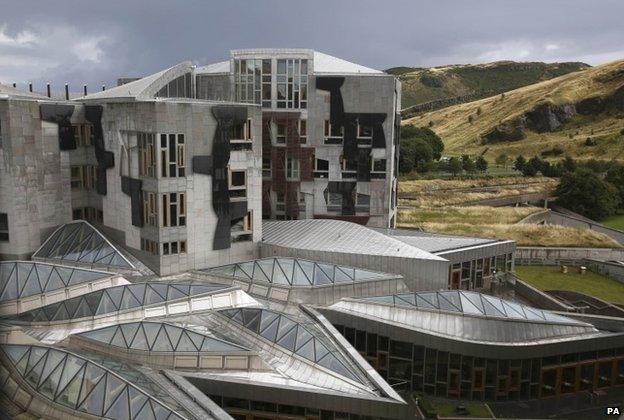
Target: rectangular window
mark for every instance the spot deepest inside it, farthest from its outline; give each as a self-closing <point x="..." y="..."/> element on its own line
<point x="242" y="131"/>
<point x="83" y="135"/>
<point x="266" y="168"/>
<point x="83" y="176"/>
<point x="174" y="248"/>
<point x="292" y="169"/>
<point x="147" y="154"/>
<point x="173" y="209"/>
<point x="149" y="246"/>
<point x="303" y="131"/>
<point x="378" y="165"/>
<point x="364" y="131"/>
<point x="321" y="168"/>
<point x="76" y="177"/>
<point x="241" y="229"/>
<point x="4" y="227"/>
<point x="252" y="80"/>
<point x="150" y="209"/>
<point x="280" y="137"/>
<point x="292" y="83"/>
<point x="333" y="134"/>
<point x="237" y="183"/>
<point x="172" y="155"/>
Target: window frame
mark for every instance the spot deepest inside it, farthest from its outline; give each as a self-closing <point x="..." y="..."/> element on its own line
<point x="292" y="168"/>
<point x="177" y="163"/>
<point x="168" y="207"/>
<point x="4" y="230"/>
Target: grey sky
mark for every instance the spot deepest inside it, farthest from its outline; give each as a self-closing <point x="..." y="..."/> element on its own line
<point x="95" y="42"/>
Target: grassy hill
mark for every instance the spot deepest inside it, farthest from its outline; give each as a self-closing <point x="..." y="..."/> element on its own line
<point x="461" y="82"/>
<point x="554" y="115"/>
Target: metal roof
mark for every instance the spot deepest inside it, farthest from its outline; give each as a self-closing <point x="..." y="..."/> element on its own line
<point x="296" y="272"/>
<point x="19" y="279"/>
<point x="159" y="337"/>
<point x="14" y="93"/>
<point x="434" y="242"/>
<point x="216" y="68"/>
<point x="337" y="236"/>
<point x="82" y="385"/>
<point x="324" y="63"/>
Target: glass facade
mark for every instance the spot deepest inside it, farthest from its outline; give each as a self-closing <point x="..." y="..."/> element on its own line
<point x="159" y="336"/>
<point x="180" y="87"/>
<point x="294" y="337"/>
<point x="21" y="279"/>
<point x="418" y="368"/>
<point x="80" y="242"/>
<point x="295" y="272"/>
<point x="113" y="299"/>
<point x="81" y="385"/>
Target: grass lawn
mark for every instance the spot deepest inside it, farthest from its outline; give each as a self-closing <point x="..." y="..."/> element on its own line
<point x="551" y="278"/>
<point x="615" y="222"/>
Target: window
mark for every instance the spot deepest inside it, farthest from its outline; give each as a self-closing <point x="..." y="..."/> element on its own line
<point x="346" y="165"/>
<point x="90" y="214"/>
<point x="242" y="131"/>
<point x="321" y="168"/>
<point x="173" y="209"/>
<point x="150" y="209"/>
<point x="4" y="227"/>
<point x="280" y="138"/>
<point x="83" y="176"/>
<point x="147" y="154"/>
<point x="363" y="201"/>
<point x="252" y="79"/>
<point x="333" y="134"/>
<point x="241" y="228"/>
<point x="303" y="131"/>
<point x="292" y="83"/>
<point x="238" y="184"/>
<point x="173" y="248"/>
<point x="292" y="169"/>
<point x="149" y="246"/>
<point x="83" y="135"/>
<point x="364" y="131"/>
<point x="266" y="168"/>
<point x="180" y="87"/>
<point x="280" y="205"/>
<point x="378" y="165"/>
<point x="172" y="155"/>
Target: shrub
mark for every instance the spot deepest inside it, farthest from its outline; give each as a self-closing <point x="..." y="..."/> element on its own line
<point x="585" y="192"/>
<point x="590" y="142"/>
<point x="555" y="151"/>
<point x="622" y="131"/>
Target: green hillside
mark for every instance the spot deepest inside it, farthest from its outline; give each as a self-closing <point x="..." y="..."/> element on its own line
<point x="580" y="114"/>
<point x="458" y="83"/>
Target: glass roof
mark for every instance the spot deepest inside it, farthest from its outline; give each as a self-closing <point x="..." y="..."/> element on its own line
<point x="159" y="336"/>
<point x="81" y="242"/>
<point x="113" y="299"/>
<point x="471" y="303"/>
<point x="295" y="272"/>
<point x="292" y="336"/>
<point x="23" y="279"/>
<point x="82" y="385"/>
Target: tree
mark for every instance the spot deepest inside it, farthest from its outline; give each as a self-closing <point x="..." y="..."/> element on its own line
<point x="584" y="192"/>
<point x="502" y="159"/>
<point x="415" y="154"/>
<point x="454" y="166"/>
<point x="423" y="155"/>
<point x="467" y="164"/>
<point x="519" y="163"/>
<point x="426" y="134"/>
<point x="481" y="164"/>
<point x="569" y="165"/>
<point x="615" y="176"/>
<point x="533" y="166"/>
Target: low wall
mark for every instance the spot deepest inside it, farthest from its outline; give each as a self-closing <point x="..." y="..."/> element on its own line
<point x="536" y="296"/>
<point x="533" y="255"/>
<point x="611" y="269"/>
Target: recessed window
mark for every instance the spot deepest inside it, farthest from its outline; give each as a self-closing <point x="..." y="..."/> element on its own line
<point x="149" y="246"/>
<point x="147" y="154"/>
<point x="348" y="165"/>
<point x="238" y="184"/>
<point x="266" y="168"/>
<point x="333" y="133"/>
<point x="172" y="155"/>
<point x="83" y="177"/>
<point x="292" y="169"/>
<point x="321" y="168"/>
<point x="174" y="248"/>
<point x="150" y="209"/>
<point x="364" y="131"/>
<point x="4" y="227"/>
<point x="252" y="81"/>
<point x="303" y="131"/>
<point x="90" y="214"/>
<point x="280" y="137"/>
<point x="83" y="135"/>
<point x="173" y="209"/>
<point x="242" y="131"/>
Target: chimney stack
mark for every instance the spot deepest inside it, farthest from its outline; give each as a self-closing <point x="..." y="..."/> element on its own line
<point x="30" y="86"/>
<point x="66" y="92"/>
<point x="84" y="87"/>
<point x="49" y="93"/>
<point x="14" y="85"/>
<point x="103" y="87"/>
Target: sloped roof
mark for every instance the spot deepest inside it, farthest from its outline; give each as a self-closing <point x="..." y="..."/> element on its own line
<point x="20" y="279"/>
<point x="15" y="93"/>
<point x="337" y="236"/>
<point x="144" y="88"/>
<point x="324" y="63"/>
<point x="220" y="67"/>
<point x="80" y="242"/>
<point x="160" y="337"/>
<point x="289" y="334"/>
<point x="434" y="242"/>
<point x="82" y="385"/>
<point x="296" y="272"/>
<point x="113" y="299"/>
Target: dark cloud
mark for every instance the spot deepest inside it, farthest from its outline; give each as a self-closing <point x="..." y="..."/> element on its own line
<point x="95" y="42"/>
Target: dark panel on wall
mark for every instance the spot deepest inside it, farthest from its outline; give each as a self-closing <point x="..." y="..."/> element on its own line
<point x="202" y="164"/>
<point x="336" y="104"/>
<point x="347" y="189"/>
<point x="238" y="209"/>
<point x="134" y="188"/>
<point x="61" y="115"/>
<point x="226" y="117"/>
<point x="105" y="158"/>
<point x="364" y="165"/>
